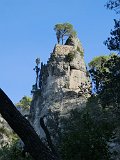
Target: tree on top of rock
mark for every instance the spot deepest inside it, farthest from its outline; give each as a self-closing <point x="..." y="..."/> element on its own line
<point x="64" y="30"/>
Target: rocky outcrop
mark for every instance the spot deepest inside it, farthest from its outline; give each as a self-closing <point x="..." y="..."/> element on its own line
<point x="5" y="133"/>
<point x="59" y="83"/>
<point x="75" y="42"/>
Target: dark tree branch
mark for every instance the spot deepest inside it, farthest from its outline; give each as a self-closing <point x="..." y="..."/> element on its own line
<point x="48" y="137"/>
<point x="24" y="130"/>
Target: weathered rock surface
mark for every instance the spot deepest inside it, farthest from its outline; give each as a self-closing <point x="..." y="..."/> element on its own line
<point x="5" y="133"/>
<point x="59" y="83"/>
<point x="75" y="42"/>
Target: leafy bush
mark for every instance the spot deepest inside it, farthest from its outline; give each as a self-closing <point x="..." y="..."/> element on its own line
<point x="24" y="103"/>
<point x="81" y="53"/>
<point x="13" y="152"/>
<point x="105" y="73"/>
<point x="86" y="134"/>
<point x="70" y="57"/>
<point x="52" y="57"/>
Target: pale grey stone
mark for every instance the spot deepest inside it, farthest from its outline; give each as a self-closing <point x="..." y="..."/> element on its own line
<point x="60" y="81"/>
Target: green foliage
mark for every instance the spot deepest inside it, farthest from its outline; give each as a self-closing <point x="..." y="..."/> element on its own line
<point x="52" y="57"/>
<point x="81" y="53"/>
<point x="113" y="42"/>
<point x="13" y="152"/>
<point x="70" y="57"/>
<point x="6" y="131"/>
<point x="24" y="103"/>
<point x="78" y="49"/>
<point x="86" y="134"/>
<point x="97" y="65"/>
<point x="106" y="80"/>
<point x="7" y="135"/>
<point x="64" y="29"/>
<point x="98" y="62"/>
<point x="110" y="89"/>
<point x="113" y="4"/>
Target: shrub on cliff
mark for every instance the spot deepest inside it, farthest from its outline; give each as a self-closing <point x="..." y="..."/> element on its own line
<point x="64" y="30"/>
<point x="70" y="57"/>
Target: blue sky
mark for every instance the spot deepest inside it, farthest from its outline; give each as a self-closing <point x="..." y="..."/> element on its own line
<point x="26" y="32"/>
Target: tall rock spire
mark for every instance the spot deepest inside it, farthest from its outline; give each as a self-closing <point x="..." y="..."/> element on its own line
<point x="64" y="82"/>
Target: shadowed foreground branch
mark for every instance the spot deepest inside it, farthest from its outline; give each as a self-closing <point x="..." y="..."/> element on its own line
<point x="51" y="145"/>
<point x="24" y="129"/>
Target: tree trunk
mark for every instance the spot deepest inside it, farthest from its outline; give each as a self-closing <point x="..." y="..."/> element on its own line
<point x="48" y="137"/>
<point x="62" y="39"/>
<point x="24" y="130"/>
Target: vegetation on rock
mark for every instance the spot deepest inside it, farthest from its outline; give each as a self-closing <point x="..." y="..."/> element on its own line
<point x="24" y="103"/>
<point x="70" y="57"/>
<point x="14" y="152"/>
<point x="81" y="53"/>
<point x="113" y="42"/>
<point x="84" y="134"/>
<point x="64" y="30"/>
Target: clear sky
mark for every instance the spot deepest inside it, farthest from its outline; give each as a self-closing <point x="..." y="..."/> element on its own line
<point x="26" y="32"/>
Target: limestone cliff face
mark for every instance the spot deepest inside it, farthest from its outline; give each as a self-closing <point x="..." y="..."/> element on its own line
<point x="60" y="82"/>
